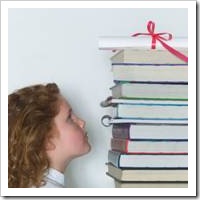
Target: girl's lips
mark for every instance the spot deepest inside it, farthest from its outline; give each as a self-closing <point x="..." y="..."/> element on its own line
<point x="85" y="134"/>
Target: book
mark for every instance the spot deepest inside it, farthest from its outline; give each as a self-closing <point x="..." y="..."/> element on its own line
<point x="120" y="184"/>
<point x="109" y="120"/>
<point x="150" y="73"/>
<point x="110" y="101"/>
<point x="119" y="159"/>
<point x="147" y="121"/>
<point x="149" y="146"/>
<point x="127" y="174"/>
<point x="150" y="131"/>
<point x="150" y="91"/>
<point x="144" y="42"/>
<point x="149" y="56"/>
<point x="151" y="111"/>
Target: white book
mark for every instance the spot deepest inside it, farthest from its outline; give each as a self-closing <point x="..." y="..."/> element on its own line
<point x="140" y="42"/>
<point x="147" y="121"/>
<point x="150" y="146"/>
<point x="150" y="131"/>
<point x="151" y="111"/>
<point x="111" y="101"/>
<point x="119" y="159"/>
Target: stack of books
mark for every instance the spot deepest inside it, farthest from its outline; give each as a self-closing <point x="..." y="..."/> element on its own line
<point x="149" y="144"/>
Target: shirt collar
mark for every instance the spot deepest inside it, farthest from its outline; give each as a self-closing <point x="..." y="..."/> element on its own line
<point x="56" y="176"/>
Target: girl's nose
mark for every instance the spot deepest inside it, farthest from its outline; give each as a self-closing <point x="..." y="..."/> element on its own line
<point x="80" y="122"/>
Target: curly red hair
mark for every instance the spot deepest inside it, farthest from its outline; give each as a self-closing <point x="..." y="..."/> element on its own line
<point x="31" y="111"/>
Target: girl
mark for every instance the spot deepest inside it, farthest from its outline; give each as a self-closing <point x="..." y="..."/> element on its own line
<point x="44" y="136"/>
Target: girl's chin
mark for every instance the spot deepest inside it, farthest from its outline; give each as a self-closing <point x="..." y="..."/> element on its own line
<point x="87" y="148"/>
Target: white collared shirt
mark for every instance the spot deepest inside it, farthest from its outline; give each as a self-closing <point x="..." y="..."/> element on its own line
<point x="54" y="179"/>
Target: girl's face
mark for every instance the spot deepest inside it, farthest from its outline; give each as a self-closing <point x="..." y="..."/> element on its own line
<point x="72" y="140"/>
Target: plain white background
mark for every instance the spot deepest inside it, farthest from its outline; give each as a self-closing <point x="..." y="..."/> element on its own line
<point x="61" y="45"/>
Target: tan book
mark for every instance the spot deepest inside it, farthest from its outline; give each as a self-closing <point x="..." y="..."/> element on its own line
<point x="150" y="185"/>
<point x="148" y="56"/>
<point x="147" y="91"/>
<point x="150" y="73"/>
<point x="128" y="174"/>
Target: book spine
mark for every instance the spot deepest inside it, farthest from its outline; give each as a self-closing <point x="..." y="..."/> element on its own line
<point x="121" y="131"/>
<point x="114" y="158"/>
<point x="119" y="145"/>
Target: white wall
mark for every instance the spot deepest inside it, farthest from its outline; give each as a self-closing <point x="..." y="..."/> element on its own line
<point x="61" y="45"/>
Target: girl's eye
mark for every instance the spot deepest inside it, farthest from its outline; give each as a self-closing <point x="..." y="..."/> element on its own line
<point x="70" y="117"/>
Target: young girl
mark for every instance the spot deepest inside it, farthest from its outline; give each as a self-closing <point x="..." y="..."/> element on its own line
<point x="44" y="136"/>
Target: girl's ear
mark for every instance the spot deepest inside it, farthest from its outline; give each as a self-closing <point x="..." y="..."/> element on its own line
<point x="50" y="142"/>
<point x="49" y="146"/>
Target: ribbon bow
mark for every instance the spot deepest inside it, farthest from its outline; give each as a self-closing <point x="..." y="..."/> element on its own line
<point x="160" y="37"/>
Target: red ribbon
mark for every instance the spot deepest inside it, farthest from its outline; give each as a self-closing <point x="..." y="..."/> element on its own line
<point x="160" y="37"/>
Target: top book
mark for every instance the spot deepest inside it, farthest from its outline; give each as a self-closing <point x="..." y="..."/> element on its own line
<point x="138" y="50"/>
<point x="151" y="56"/>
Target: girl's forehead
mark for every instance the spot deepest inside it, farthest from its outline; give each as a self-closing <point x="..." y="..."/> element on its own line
<point x="64" y="105"/>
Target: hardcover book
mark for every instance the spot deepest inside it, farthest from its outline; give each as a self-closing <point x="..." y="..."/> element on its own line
<point x="124" y="184"/>
<point x="151" y="111"/>
<point x="150" y="91"/>
<point x="150" y="131"/>
<point x="149" y="56"/>
<point x="127" y="174"/>
<point x="149" y="146"/>
<point x="119" y="159"/>
<point x="150" y="73"/>
<point x="148" y="121"/>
